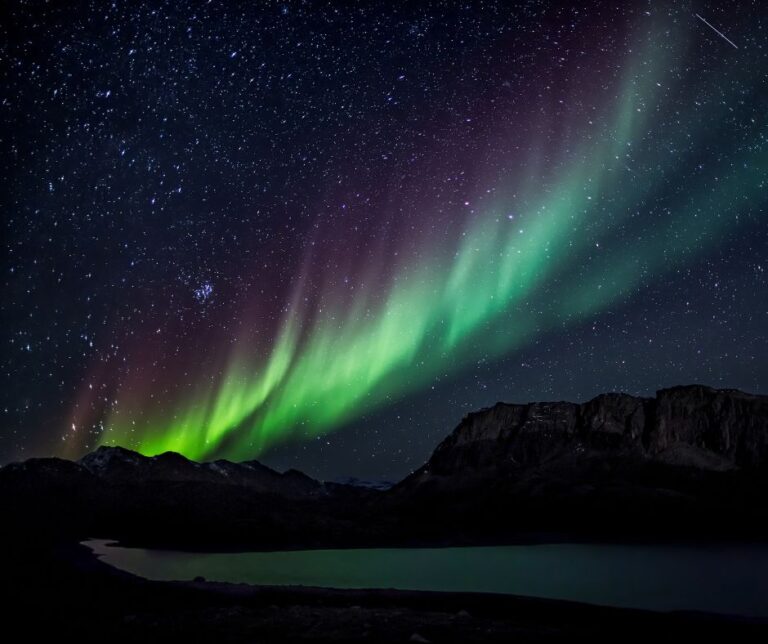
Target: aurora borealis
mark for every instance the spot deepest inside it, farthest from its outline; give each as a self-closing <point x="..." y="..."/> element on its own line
<point x="277" y="223"/>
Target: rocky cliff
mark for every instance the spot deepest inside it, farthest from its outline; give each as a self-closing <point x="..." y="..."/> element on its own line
<point x="696" y="426"/>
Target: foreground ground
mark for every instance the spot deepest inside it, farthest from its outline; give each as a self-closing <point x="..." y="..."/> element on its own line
<point x="62" y="590"/>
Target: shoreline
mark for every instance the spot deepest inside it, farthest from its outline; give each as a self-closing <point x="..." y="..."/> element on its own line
<point x="523" y="539"/>
<point x="553" y="571"/>
<point x="66" y="584"/>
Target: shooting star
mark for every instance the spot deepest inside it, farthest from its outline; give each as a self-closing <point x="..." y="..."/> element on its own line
<point x="719" y="33"/>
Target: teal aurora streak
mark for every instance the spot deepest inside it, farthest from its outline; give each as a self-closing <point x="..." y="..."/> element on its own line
<point x="618" y="200"/>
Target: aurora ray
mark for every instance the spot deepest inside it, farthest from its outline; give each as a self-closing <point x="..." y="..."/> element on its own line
<point x="591" y="211"/>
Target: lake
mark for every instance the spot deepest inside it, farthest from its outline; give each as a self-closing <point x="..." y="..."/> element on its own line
<point x="730" y="579"/>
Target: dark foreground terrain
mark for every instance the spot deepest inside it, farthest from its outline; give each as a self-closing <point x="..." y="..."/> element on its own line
<point x="689" y="464"/>
<point x="62" y="591"/>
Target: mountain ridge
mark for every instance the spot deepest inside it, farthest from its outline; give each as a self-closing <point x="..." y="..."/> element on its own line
<point x="686" y="425"/>
<point x="693" y="460"/>
<point x="119" y="464"/>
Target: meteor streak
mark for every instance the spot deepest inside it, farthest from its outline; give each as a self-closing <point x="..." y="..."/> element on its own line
<point x="719" y="33"/>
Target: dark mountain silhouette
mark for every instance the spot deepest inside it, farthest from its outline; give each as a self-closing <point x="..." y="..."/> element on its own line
<point x="691" y="462"/>
<point x="119" y="465"/>
<point x="377" y="484"/>
<point x="694" y="426"/>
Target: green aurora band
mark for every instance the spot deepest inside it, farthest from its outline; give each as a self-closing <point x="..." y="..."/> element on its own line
<point x="614" y="211"/>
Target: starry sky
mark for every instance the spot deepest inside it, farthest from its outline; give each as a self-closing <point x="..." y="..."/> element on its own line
<point x="319" y="233"/>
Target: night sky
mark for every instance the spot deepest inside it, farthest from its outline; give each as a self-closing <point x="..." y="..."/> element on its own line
<point x="319" y="233"/>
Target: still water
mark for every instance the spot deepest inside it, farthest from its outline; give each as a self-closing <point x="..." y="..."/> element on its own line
<point x="723" y="579"/>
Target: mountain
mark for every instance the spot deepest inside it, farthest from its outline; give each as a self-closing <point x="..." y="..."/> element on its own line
<point x="168" y="499"/>
<point x="119" y="465"/>
<point x="691" y="462"/>
<point x="693" y="426"/>
<point x="690" y="459"/>
<point x="379" y="485"/>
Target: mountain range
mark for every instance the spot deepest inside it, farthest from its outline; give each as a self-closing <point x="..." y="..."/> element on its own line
<point x="692" y="462"/>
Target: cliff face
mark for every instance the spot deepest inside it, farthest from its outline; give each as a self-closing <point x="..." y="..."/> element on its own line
<point x="693" y="425"/>
<point x="726" y="422"/>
